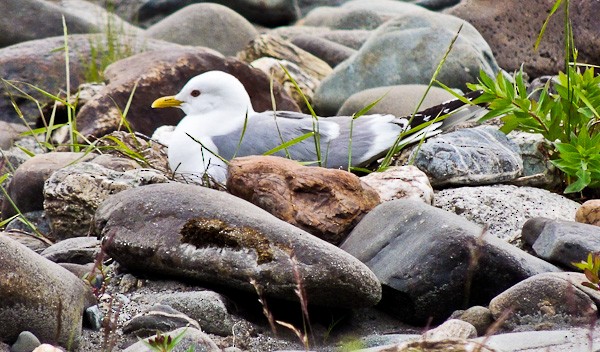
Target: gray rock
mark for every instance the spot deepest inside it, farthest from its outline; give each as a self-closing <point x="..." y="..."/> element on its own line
<point x="39" y="296"/>
<point x="432" y="262"/>
<point x="544" y="302"/>
<point x="343" y="18"/>
<point x="452" y="328"/>
<point x="561" y="242"/>
<point x="470" y="157"/>
<point x="401" y="182"/>
<point x="399" y="100"/>
<point x="407" y="50"/>
<point x="72" y="194"/>
<point x="93" y="317"/>
<point x="480" y="317"/>
<point x="351" y="38"/>
<point x="504" y="208"/>
<point x="27" y="184"/>
<point x="208" y="308"/>
<point x="26" y="342"/>
<point x="77" y="250"/>
<point x="158" y="318"/>
<point x="329" y="51"/>
<point x="189" y="233"/>
<point x="9" y="132"/>
<point x="34" y="233"/>
<point x="210" y="25"/>
<point x="191" y="337"/>
<point x="575" y="339"/>
<point x="537" y="168"/>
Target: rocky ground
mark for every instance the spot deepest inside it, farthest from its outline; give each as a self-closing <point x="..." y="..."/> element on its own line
<point x="469" y="248"/>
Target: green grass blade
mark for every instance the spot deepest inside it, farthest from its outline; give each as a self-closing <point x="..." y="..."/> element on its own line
<point x="289" y="143"/>
<point x="543" y="30"/>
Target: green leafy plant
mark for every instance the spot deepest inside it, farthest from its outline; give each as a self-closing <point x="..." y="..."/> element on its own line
<point x="590" y="268"/>
<point x="165" y="343"/>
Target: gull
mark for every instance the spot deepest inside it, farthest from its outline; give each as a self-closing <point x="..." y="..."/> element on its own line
<point x="221" y="124"/>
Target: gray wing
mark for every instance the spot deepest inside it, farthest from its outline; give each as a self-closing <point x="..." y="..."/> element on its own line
<point x="371" y="137"/>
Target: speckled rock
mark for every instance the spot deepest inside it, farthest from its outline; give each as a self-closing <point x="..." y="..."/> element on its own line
<point x="589" y="212"/>
<point x="189" y="235"/>
<point x="504" y="208"/>
<point x="401" y="182"/>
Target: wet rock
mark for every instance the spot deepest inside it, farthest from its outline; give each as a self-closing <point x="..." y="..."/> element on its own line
<point x="39" y="296"/>
<point x="160" y="73"/>
<point x="410" y="45"/>
<point x="327" y="203"/>
<point x="545" y="302"/>
<point x="210" y="25"/>
<point x="561" y="242"/>
<point x="432" y="262"/>
<point x="401" y="182"/>
<point x="188" y="234"/>
<point x="471" y="156"/>
<point x="73" y="193"/>
<point x="27" y="184"/>
<point x="77" y="250"/>
<point x="503" y="209"/>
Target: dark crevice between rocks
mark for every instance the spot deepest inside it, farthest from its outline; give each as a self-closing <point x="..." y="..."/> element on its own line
<point x="204" y="232"/>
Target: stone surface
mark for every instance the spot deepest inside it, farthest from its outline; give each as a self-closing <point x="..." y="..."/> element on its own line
<point x="410" y="45"/>
<point x="189" y="235"/>
<point x="537" y="168"/>
<point x="158" y="318"/>
<point x="401" y="182"/>
<point x="208" y="308"/>
<point x="39" y="296"/>
<point x="8" y="133"/>
<point x="329" y="51"/>
<point x="72" y="194"/>
<point x="191" y="337"/>
<point x="512" y="32"/>
<point x="275" y="47"/>
<point x="27" y="184"/>
<point x="398" y="100"/>
<point x="452" y="328"/>
<point x="404" y="242"/>
<point x="503" y="209"/>
<point x="343" y="18"/>
<point x="544" y="301"/>
<point x="561" y="242"/>
<point x="327" y="203"/>
<point x="589" y="212"/>
<point x="470" y="157"/>
<point x="480" y="317"/>
<point x="77" y="250"/>
<point x="210" y="25"/>
<point x="161" y="73"/>
<point x="26" y="342"/>
<point x="21" y="62"/>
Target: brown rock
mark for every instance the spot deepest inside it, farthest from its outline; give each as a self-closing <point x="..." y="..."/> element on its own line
<point x="160" y="73"/>
<point x="589" y="212"/>
<point x="327" y="203"/>
<point x="512" y="32"/>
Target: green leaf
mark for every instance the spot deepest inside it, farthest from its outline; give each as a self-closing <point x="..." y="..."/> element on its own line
<point x="289" y="143"/>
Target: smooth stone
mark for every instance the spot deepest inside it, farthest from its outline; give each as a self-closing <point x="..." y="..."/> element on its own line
<point x="9" y="132"/>
<point x="158" y="318"/>
<point x="561" y="242"/>
<point x="188" y="234"/>
<point x="34" y="292"/>
<point x="26" y="342"/>
<point x="327" y="50"/>
<point x="93" y="317"/>
<point x="452" y="328"/>
<point x="76" y="250"/>
<point x="504" y="209"/>
<point x="343" y="18"/>
<point x="401" y="182"/>
<point x="206" y="24"/>
<point x="589" y="212"/>
<point x="405" y="243"/>
<point x="480" y="317"/>
<point x="469" y="157"/>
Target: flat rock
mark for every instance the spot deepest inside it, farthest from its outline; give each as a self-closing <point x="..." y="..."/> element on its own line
<point x="503" y="209"/>
<point x="188" y="233"/>
<point x="561" y="242"/>
<point x="470" y="157"/>
<point x="210" y="25"/>
<point x="39" y="296"/>
<point x="165" y="72"/>
<point x="77" y="250"/>
<point x="432" y="262"/>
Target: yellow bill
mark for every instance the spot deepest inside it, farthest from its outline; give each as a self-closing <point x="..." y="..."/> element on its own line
<point x="166" y="102"/>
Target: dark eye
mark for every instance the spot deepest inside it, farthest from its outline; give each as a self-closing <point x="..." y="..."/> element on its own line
<point x="195" y="93"/>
